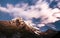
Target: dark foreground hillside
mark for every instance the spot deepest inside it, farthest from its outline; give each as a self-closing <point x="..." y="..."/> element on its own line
<point x="57" y="35"/>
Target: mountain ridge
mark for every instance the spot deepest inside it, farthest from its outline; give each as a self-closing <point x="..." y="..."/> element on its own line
<point x="17" y="28"/>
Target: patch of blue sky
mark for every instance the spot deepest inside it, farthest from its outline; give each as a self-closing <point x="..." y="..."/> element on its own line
<point x="57" y="24"/>
<point x="36" y="20"/>
<point x="53" y="4"/>
<point x="5" y="16"/>
<point x="4" y="2"/>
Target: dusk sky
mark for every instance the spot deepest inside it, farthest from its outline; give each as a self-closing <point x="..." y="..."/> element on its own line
<point x="39" y="13"/>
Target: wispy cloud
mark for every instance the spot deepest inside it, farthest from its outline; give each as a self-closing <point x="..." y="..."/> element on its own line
<point x="39" y="10"/>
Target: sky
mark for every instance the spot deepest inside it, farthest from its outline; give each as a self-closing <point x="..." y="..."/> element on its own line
<point x="41" y="14"/>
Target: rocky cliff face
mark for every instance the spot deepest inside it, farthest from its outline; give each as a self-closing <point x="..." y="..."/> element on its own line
<point x="17" y="28"/>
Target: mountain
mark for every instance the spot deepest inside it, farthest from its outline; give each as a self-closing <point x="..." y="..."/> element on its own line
<point x="17" y="28"/>
<point x="49" y="33"/>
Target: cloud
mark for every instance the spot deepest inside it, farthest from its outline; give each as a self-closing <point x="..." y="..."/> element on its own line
<point x="58" y="5"/>
<point x="39" y="10"/>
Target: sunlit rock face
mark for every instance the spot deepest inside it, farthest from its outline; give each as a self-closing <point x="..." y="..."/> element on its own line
<point x="17" y="28"/>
